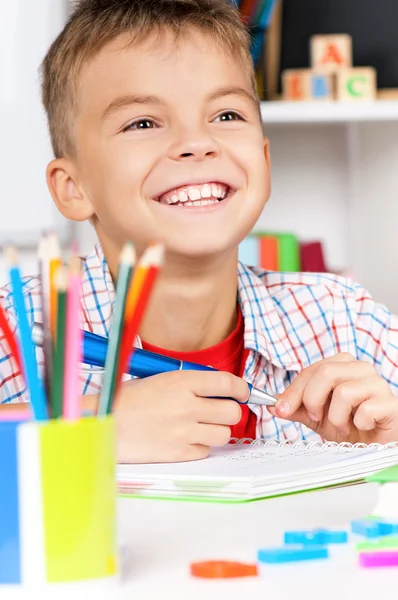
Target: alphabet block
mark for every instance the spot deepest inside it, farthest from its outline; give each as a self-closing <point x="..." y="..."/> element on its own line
<point x="329" y="53"/>
<point x="305" y="84"/>
<point x="357" y="84"/>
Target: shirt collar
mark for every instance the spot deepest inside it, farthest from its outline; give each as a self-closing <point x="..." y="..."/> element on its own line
<point x="264" y="331"/>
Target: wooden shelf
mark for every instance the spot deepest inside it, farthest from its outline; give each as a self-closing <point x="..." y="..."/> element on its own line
<point x="329" y="112"/>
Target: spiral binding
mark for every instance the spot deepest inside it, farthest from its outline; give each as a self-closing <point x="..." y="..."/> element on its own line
<point x="308" y="446"/>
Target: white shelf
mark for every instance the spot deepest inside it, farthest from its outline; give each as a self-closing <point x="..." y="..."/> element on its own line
<point x="329" y="112"/>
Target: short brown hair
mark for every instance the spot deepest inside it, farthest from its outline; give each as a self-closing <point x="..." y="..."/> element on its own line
<point x="95" y="23"/>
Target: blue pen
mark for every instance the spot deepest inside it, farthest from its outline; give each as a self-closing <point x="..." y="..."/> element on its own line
<point x="145" y="364"/>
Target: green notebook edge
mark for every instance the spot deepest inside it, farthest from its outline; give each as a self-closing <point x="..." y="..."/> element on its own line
<point x="389" y="474"/>
<point x="243" y="501"/>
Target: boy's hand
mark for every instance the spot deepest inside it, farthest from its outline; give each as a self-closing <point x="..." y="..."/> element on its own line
<point x="342" y="399"/>
<point x="167" y="418"/>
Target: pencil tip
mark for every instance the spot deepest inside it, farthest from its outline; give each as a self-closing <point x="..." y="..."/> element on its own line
<point x="54" y="249"/>
<point x="61" y="279"/>
<point x="154" y="255"/>
<point x="11" y="255"/>
<point x="127" y="255"/>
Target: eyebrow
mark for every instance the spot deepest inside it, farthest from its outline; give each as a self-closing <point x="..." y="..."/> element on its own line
<point x="131" y="99"/>
<point x="233" y="91"/>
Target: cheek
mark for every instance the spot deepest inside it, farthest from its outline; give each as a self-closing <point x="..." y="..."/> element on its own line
<point x="118" y="178"/>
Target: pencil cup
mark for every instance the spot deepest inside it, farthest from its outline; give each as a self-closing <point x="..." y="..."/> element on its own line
<point x="58" y="503"/>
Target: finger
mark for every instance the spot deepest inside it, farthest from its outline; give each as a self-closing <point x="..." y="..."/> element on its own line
<point x="378" y="412"/>
<point x="194" y="452"/>
<point x="218" y="383"/>
<point x="218" y="412"/>
<point x="212" y="435"/>
<point x="292" y="397"/>
<point x="349" y="395"/>
<point x="300" y="416"/>
<point x="328" y="376"/>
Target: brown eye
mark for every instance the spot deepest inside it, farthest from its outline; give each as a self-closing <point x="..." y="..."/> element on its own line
<point x="229" y="116"/>
<point x="140" y="124"/>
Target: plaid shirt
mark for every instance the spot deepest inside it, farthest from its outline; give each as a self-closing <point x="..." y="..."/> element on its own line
<point x="291" y="320"/>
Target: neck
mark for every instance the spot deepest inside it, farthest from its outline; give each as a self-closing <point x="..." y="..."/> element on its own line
<point x="193" y="305"/>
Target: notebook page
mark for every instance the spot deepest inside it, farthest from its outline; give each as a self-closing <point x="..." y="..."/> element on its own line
<point x="262" y="463"/>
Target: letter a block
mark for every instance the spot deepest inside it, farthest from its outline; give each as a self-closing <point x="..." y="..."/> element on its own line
<point x="357" y="84"/>
<point x="329" y="53"/>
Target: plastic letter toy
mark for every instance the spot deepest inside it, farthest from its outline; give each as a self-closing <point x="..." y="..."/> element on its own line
<point x="291" y="554"/>
<point x="378" y="559"/>
<point x="317" y="537"/>
<point x="386" y="528"/>
<point x="222" y="569"/>
<point x="366" y="527"/>
<point x="388" y="542"/>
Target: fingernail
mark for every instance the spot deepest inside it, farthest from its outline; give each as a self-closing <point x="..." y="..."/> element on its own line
<point x="283" y="408"/>
<point x="313" y="417"/>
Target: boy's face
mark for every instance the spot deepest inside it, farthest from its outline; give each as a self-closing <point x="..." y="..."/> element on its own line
<point x="170" y="146"/>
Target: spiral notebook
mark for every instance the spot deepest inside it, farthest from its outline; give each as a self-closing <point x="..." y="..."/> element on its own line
<point x="242" y="471"/>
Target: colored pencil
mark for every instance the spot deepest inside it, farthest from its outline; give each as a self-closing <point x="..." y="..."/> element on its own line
<point x="126" y="265"/>
<point x="53" y="265"/>
<point x="44" y="271"/>
<point x="73" y="350"/>
<point x="57" y="387"/>
<point x="30" y="368"/>
<point x="150" y="264"/>
<point x="10" y="338"/>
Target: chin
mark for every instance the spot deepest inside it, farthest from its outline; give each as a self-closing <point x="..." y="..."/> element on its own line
<point x="205" y="249"/>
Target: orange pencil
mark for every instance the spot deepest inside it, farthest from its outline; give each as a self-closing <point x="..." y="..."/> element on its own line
<point x="141" y="288"/>
<point x="54" y="264"/>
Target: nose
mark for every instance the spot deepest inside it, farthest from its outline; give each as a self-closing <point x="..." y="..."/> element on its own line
<point x="194" y="145"/>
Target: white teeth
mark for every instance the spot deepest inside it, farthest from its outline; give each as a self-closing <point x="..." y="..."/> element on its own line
<point x="206" y="191"/>
<point x="182" y="196"/>
<point x="194" y="194"/>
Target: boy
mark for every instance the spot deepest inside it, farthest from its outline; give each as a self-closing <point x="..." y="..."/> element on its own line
<point x="156" y="131"/>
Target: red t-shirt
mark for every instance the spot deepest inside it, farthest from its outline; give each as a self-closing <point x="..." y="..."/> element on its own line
<point x="230" y="355"/>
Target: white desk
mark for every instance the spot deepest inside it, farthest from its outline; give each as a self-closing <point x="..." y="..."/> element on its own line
<point x="161" y="538"/>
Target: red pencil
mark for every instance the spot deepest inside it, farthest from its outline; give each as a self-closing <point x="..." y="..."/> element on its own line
<point x="11" y="339"/>
<point x="151" y="261"/>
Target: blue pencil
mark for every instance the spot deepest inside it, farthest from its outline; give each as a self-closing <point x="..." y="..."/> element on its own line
<point x="35" y="387"/>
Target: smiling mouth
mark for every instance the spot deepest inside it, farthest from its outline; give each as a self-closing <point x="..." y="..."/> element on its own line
<point x="196" y="195"/>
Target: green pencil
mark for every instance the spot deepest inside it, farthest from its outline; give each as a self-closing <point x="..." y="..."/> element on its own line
<point x="57" y="380"/>
<point x="127" y="260"/>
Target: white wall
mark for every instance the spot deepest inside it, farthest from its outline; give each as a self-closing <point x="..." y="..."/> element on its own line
<point x="27" y="27"/>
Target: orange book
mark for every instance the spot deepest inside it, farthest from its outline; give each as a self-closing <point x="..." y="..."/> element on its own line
<point x="269" y="252"/>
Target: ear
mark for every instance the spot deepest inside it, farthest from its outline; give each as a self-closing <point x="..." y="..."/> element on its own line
<point x="67" y="192"/>
<point x="267" y="153"/>
<point x="268" y="162"/>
